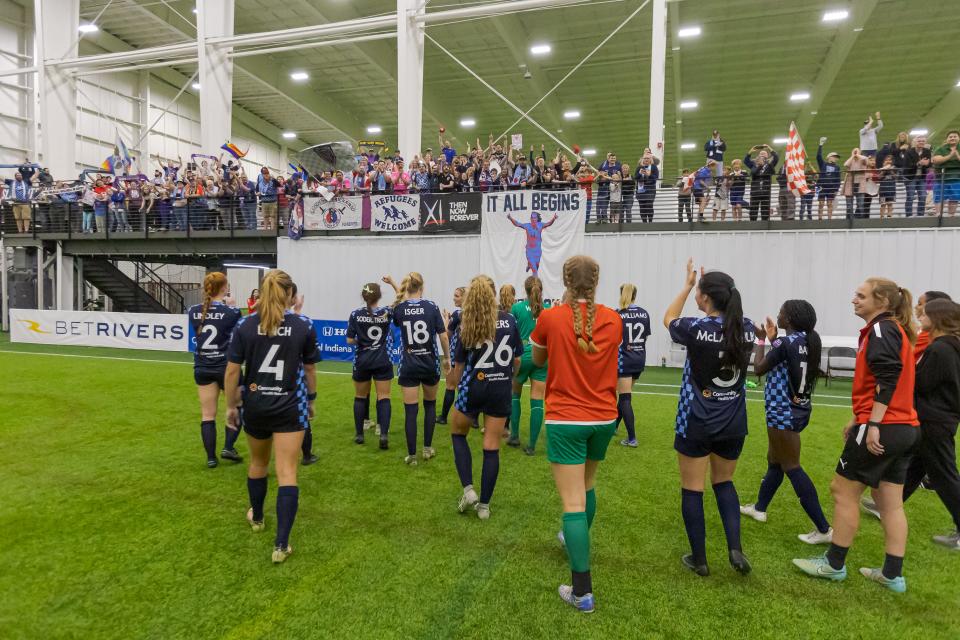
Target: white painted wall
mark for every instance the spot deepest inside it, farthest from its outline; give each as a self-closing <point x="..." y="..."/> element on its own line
<point x="15" y="91"/>
<point x="769" y="267"/>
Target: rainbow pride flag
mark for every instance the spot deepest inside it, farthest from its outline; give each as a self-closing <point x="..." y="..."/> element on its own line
<point x="234" y="150"/>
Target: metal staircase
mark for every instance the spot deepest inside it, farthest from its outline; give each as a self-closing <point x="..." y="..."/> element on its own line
<point x="147" y="293"/>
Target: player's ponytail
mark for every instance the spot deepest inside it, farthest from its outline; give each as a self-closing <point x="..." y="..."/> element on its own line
<point x="371" y="294"/>
<point x="213" y="285"/>
<point x="275" y="294"/>
<point x="534" y="288"/>
<point x="478" y="319"/>
<point x="723" y="294"/>
<point x="412" y="283"/>
<point x="508" y="295"/>
<point x="581" y="275"/>
<point x="628" y="293"/>
<point x="899" y="303"/>
<point x="801" y="316"/>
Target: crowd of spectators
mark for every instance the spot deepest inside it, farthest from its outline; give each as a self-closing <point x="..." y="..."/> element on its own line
<point x="211" y="194"/>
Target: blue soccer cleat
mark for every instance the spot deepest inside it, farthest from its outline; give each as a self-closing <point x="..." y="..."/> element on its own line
<point x="897" y="585"/>
<point x="819" y="567"/>
<point x="583" y="604"/>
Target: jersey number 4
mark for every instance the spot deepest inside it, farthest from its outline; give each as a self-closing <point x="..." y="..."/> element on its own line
<point x="270" y="364"/>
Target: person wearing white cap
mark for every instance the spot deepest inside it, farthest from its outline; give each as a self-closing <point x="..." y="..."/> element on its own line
<point x="829" y="182"/>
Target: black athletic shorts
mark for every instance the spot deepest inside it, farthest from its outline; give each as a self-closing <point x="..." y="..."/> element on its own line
<point x="365" y="374"/>
<point x="858" y="464"/>
<point x="208" y="376"/>
<point x="630" y="373"/>
<point x="265" y="431"/>
<point x="727" y="448"/>
<point x="490" y="400"/>
<point x="416" y="381"/>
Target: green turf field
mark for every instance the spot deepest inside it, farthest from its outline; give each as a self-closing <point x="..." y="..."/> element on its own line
<point x="113" y="527"/>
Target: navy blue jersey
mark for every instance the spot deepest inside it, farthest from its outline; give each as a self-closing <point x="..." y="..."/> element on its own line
<point x="487" y="381"/>
<point x="213" y="338"/>
<point x="453" y="329"/>
<point x="372" y="331"/>
<point x="633" y="350"/>
<point x="272" y="367"/>
<point x="420" y="323"/>
<point x="712" y="397"/>
<point x="787" y="392"/>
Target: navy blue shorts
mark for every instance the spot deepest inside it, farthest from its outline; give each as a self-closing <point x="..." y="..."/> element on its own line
<point x="828" y="194"/>
<point x="264" y="429"/>
<point x="630" y="373"/>
<point x="492" y="400"/>
<point x="727" y="448"/>
<point x="204" y="377"/>
<point x="416" y="380"/>
<point x="365" y="374"/>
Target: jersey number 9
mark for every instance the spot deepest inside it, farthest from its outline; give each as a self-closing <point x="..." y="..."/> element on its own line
<point x="374" y="334"/>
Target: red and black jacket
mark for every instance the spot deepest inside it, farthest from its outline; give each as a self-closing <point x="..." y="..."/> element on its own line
<point x="885" y="373"/>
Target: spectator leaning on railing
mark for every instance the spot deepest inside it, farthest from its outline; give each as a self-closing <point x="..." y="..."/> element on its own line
<point x="762" y="171"/>
<point x="946" y="159"/>
<point x="715" y="148"/>
<point x="828" y="182"/>
<point x="267" y="191"/>
<point x="21" y="192"/>
<point x="916" y="162"/>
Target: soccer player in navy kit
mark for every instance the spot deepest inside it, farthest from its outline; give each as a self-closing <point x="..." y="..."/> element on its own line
<point x="452" y="320"/>
<point x="309" y="457"/>
<point x="273" y="345"/>
<point x="213" y="322"/>
<point x="632" y="357"/>
<point x="420" y="325"/>
<point x="712" y="412"/>
<point x="791" y="367"/>
<point x="487" y="358"/>
<point x="369" y="329"/>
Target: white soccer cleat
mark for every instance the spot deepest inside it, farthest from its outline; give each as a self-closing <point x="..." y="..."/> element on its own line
<point x="428" y="453"/>
<point x="869" y="506"/>
<point x="815" y="537"/>
<point x="483" y="511"/>
<point x="750" y="510"/>
<point x="411" y="460"/>
<point x="467" y="500"/>
<point x="257" y="527"/>
<point x="280" y="554"/>
<point x="368" y="424"/>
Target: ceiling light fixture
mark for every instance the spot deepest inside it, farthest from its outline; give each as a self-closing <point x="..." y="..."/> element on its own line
<point x="195" y="86"/>
<point x="781" y="140"/>
<point x="540" y="49"/>
<point x="374" y="129"/>
<point x="800" y="96"/>
<point x="571" y="115"/>
<point x="686" y="105"/>
<point x="918" y="132"/>
<point x="88" y="28"/>
<point x="299" y="76"/>
<point x="289" y="135"/>
<point x="688" y="32"/>
<point x="835" y="16"/>
<point x="688" y="145"/>
<point x="589" y="152"/>
<point x="468" y="122"/>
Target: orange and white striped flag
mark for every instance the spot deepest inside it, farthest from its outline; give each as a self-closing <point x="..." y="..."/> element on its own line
<point x="796" y="162"/>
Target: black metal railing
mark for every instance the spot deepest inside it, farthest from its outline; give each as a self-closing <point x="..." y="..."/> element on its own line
<point x="165" y="293"/>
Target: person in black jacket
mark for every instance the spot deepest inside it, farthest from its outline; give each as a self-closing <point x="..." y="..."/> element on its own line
<point x="938" y="407"/>
<point x="714" y="148"/>
<point x="915" y="163"/>
<point x="646" y="180"/>
<point x="761" y="171"/>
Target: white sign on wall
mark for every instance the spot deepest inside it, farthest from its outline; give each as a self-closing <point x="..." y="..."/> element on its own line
<point x="339" y="213"/>
<point x="395" y="213"/>
<point x="158" y="331"/>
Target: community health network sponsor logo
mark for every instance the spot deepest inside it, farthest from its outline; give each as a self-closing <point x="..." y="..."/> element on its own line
<point x="33" y="325"/>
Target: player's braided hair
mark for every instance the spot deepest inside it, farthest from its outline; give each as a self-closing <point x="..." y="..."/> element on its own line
<point x="276" y="292"/>
<point x="478" y="320"/>
<point x="801" y="316"/>
<point x="581" y="275"/>
<point x="899" y="303"/>
<point x="508" y="295"/>
<point x="411" y="283"/>
<point x="534" y="288"/>
<point x="213" y="285"/>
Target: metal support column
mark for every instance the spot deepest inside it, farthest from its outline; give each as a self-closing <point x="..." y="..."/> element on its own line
<point x="409" y="76"/>
<point x="57" y="23"/>
<point x="658" y="71"/>
<point x="214" y="20"/>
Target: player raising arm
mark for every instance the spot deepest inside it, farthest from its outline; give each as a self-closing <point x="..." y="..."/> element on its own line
<point x="271" y="346"/>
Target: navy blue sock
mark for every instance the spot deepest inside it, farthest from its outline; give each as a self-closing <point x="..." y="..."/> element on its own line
<point x="208" y="433"/>
<point x="288" y="498"/>
<point x="769" y="485"/>
<point x="230" y="437"/>
<point x="383" y="415"/>
<point x="837" y="556"/>
<point x="257" y="489"/>
<point x="462" y="458"/>
<point x="307" y="446"/>
<point x="448" y="397"/>
<point x="410" y="426"/>
<point x="892" y="567"/>
<point x="488" y="474"/>
<point x="429" y="421"/>
<point x="691" y="507"/>
<point x="625" y="413"/>
<point x="729" y="506"/>
<point x="361" y="407"/>
<point x="809" y="500"/>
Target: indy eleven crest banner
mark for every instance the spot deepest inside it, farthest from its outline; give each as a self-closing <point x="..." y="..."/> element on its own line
<point x="320" y="214"/>
<point x="526" y="233"/>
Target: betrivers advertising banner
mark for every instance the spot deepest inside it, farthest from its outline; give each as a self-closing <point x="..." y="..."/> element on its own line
<point x="395" y="213"/>
<point x="158" y="331"/>
<point x="527" y="233"/>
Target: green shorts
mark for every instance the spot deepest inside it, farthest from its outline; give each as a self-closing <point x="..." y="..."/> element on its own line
<point x="528" y="370"/>
<point x="577" y="443"/>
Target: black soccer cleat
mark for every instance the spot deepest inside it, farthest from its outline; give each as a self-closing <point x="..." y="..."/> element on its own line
<point x="211" y="463"/>
<point x="513" y="442"/>
<point x="739" y="562"/>
<point x="701" y="570"/>
<point x="384" y="443"/>
<point x="309" y="460"/>
<point x="358" y="439"/>
<point x="530" y="451"/>
<point x="441" y="420"/>
<point x="231" y="454"/>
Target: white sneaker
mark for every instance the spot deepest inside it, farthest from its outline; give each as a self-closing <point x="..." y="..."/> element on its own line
<point x="869" y="506"/>
<point x="751" y="511"/>
<point x="815" y="537"/>
<point x="468" y="499"/>
<point x="377" y="430"/>
<point x="561" y="538"/>
<point x="257" y="527"/>
<point x="949" y="540"/>
<point x="429" y="452"/>
<point x="369" y="424"/>
<point x="411" y="460"/>
<point x="483" y="511"/>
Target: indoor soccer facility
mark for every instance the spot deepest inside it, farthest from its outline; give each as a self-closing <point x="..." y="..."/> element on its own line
<point x="479" y="318"/>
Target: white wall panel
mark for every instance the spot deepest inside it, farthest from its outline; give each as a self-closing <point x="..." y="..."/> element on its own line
<point x="769" y="267"/>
